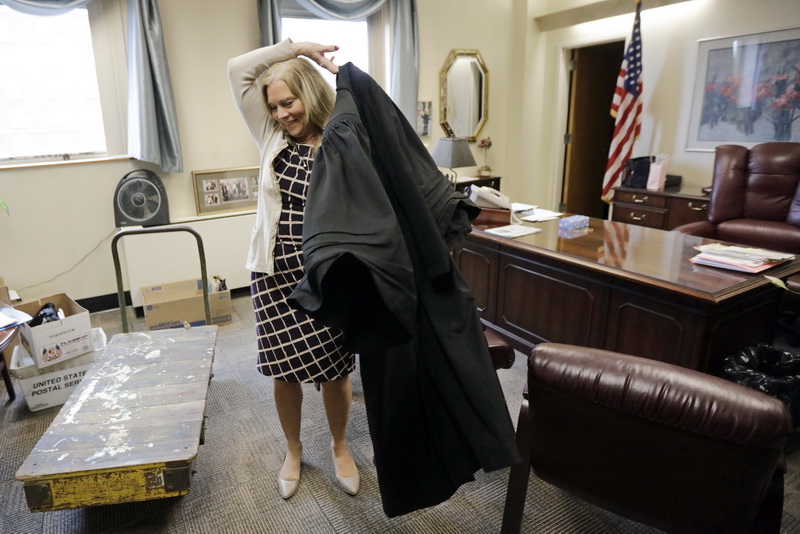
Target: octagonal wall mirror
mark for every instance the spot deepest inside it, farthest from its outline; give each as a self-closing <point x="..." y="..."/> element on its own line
<point x="464" y="94"/>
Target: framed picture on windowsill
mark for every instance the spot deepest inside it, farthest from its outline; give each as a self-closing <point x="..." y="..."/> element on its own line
<point x="745" y="90"/>
<point x="225" y="190"/>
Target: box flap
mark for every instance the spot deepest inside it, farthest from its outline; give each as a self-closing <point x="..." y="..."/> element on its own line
<point x="61" y="300"/>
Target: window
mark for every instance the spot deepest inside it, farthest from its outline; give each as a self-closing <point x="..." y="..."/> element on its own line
<point x="361" y="42"/>
<point x="48" y="88"/>
<point x="52" y="104"/>
<point x="351" y="37"/>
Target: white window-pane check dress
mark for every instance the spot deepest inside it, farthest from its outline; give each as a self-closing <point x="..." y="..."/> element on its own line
<point x="291" y="345"/>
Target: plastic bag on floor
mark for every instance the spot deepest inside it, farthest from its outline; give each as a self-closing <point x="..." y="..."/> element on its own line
<point x="768" y="370"/>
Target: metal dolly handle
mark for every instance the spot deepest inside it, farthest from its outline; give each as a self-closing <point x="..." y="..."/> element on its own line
<point x="158" y="230"/>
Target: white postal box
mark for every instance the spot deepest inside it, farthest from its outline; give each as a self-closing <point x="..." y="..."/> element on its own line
<point x="56" y="341"/>
<point x="52" y="386"/>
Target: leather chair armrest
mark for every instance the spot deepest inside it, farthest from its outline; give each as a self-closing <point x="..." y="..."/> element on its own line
<point x="699" y="228"/>
<point x="661" y="392"/>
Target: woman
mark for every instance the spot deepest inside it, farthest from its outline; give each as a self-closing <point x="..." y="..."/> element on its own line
<point x="285" y="104"/>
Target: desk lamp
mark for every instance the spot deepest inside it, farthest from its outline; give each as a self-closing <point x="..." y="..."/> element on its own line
<point x="452" y="152"/>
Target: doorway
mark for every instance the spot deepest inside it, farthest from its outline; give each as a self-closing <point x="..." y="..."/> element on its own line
<point x="593" y="78"/>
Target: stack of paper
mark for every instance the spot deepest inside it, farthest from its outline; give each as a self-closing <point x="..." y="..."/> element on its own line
<point x="513" y="230"/>
<point x="736" y="258"/>
<point x="541" y="214"/>
<point x="519" y="206"/>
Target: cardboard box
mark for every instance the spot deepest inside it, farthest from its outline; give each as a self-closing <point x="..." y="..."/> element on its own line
<point x="5" y="297"/>
<point x="56" y="341"/>
<point x="170" y="305"/>
<point x="7" y="294"/>
<point x="52" y="386"/>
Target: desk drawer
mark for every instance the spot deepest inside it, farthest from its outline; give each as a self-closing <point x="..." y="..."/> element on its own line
<point x="652" y="218"/>
<point x="686" y="210"/>
<point x="641" y="198"/>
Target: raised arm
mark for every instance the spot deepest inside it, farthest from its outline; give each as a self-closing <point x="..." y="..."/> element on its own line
<point x="243" y="74"/>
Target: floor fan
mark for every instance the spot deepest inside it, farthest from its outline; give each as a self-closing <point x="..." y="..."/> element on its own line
<point x="140" y="200"/>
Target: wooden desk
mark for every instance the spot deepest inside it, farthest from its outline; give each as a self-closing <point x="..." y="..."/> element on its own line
<point x="619" y="287"/>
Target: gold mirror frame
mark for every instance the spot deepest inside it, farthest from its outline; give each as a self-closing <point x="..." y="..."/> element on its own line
<point x="449" y="118"/>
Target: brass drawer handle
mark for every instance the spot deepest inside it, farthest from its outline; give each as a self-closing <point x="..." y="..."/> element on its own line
<point x="635" y="218"/>
<point x="640" y="200"/>
<point x="701" y="207"/>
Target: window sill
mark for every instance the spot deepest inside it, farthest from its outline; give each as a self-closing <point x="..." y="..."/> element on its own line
<point x="56" y="163"/>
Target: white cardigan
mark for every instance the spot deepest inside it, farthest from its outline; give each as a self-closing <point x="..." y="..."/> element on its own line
<point x="244" y="74"/>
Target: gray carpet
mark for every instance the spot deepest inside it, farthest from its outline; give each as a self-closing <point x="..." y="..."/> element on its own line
<point x="234" y="488"/>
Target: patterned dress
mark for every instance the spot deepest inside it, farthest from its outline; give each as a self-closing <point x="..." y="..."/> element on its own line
<point x="291" y="345"/>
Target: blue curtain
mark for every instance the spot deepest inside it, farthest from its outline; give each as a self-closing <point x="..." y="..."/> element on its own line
<point x="269" y="21"/>
<point x="45" y="7"/>
<point x="405" y="58"/>
<point x="405" y="55"/>
<point x="152" y="121"/>
<point x="341" y="9"/>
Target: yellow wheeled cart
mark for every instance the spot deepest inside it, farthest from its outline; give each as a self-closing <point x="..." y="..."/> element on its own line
<point x="132" y="429"/>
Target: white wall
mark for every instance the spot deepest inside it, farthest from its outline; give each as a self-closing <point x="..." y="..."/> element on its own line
<point x="63" y="213"/>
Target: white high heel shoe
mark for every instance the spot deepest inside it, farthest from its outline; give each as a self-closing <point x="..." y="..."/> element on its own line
<point x="287" y="488"/>
<point x="349" y="485"/>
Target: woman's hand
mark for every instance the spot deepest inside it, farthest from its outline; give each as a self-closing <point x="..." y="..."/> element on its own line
<point x="316" y="53"/>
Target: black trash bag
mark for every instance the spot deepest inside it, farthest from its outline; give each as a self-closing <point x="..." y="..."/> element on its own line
<point x="768" y="370"/>
<point x="46" y="314"/>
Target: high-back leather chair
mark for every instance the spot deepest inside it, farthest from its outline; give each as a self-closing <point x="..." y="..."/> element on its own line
<point x="673" y="448"/>
<point x="755" y="197"/>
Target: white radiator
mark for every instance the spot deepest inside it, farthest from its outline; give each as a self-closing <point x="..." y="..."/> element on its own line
<point x="159" y="258"/>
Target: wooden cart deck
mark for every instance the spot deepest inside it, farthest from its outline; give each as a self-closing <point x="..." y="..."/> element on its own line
<point x="132" y="429"/>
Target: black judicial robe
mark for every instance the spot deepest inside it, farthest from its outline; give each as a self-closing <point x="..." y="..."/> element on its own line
<point x="380" y="222"/>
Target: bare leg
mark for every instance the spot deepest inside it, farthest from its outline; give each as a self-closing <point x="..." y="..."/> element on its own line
<point x="289" y="402"/>
<point x="337" y="396"/>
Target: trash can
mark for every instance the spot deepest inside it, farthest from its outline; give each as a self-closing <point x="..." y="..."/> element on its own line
<point x="768" y="370"/>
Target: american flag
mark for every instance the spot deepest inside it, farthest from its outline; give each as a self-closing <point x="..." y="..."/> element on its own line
<point x="626" y="108"/>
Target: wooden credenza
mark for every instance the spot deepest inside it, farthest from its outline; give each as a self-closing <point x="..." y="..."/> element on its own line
<point x="619" y="287"/>
<point x="660" y="209"/>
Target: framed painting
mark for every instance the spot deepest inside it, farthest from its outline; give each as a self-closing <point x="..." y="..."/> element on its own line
<point x="747" y="90"/>
<point x="224" y="190"/>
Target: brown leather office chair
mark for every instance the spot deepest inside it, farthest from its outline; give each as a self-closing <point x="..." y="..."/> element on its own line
<point x="755" y="198"/>
<point x="669" y="447"/>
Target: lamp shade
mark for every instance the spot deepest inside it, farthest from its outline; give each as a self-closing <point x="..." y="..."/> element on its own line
<point x="452" y="152"/>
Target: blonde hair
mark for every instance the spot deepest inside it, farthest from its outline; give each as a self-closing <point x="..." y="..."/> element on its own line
<point x="307" y="85"/>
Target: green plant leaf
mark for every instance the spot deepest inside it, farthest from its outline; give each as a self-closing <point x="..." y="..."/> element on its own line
<point x="777" y="281"/>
